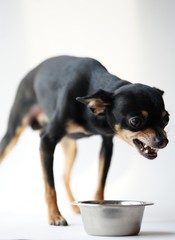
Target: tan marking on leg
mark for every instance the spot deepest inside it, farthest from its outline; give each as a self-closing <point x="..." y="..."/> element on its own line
<point x="70" y="149"/>
<point x="54" y="215"/>
<point x="100" y="189"/>
<point x="14" y="140"/>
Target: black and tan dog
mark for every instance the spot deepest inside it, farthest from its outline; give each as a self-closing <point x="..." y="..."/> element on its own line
<point x="69" y="98"/>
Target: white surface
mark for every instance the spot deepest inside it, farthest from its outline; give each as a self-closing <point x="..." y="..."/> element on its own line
<point x="33" y="227"/>
<point x="134" y="40"/>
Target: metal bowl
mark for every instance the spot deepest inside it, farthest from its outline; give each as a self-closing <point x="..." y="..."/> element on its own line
<point x="112" y="218"/>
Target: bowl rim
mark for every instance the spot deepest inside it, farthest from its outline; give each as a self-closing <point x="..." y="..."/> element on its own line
<point x="112" y="203"/>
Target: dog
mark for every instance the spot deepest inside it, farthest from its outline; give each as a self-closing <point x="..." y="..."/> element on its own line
<point x="67" y="98"/>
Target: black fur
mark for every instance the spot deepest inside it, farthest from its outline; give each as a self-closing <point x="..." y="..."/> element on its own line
<point x="81" y="91"/>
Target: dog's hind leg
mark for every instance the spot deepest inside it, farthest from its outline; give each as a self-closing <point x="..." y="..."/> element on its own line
<point x="70" y="150"/>
<point x="11" y="137"/>
<point x="19" y="115"/>
<point x="104" y="164"/>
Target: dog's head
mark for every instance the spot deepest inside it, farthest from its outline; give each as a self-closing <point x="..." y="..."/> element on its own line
<point x="136" y="113"/>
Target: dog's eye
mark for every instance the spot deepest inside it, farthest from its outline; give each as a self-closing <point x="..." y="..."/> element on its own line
<point x="165" y="119"/>
<point x="136" y="122"/>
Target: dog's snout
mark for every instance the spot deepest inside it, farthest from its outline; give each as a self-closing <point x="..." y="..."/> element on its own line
<point x="161" y="142"/>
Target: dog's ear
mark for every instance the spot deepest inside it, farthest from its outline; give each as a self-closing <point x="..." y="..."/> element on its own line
<point x="97" y="102"/>
<point x="160" y="91"/>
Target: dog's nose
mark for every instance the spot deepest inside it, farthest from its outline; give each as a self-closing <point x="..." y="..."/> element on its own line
<point x="161" y="142"/>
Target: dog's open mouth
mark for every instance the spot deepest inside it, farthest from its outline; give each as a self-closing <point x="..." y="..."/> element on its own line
<point x="145" y="150"/>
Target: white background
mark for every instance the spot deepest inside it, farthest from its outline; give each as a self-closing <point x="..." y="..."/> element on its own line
<point x="135" y="40"/>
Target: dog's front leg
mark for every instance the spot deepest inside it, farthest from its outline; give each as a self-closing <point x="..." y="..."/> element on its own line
<point x="104" y="164"/>
<point x="70" y="150"/>
<point x="47" y="147"/>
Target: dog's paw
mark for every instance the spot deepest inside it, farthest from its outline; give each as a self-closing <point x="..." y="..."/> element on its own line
<point x="58" y="221"/>
<point x="76" y="209"/>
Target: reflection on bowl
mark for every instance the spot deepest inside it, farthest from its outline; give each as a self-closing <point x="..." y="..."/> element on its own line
<point x="112" y="218"/>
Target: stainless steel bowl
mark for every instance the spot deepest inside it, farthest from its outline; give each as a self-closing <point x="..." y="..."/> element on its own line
<point x="112" y="218"/>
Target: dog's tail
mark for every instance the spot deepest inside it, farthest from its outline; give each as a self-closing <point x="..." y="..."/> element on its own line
<point x="19" y="115"/>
